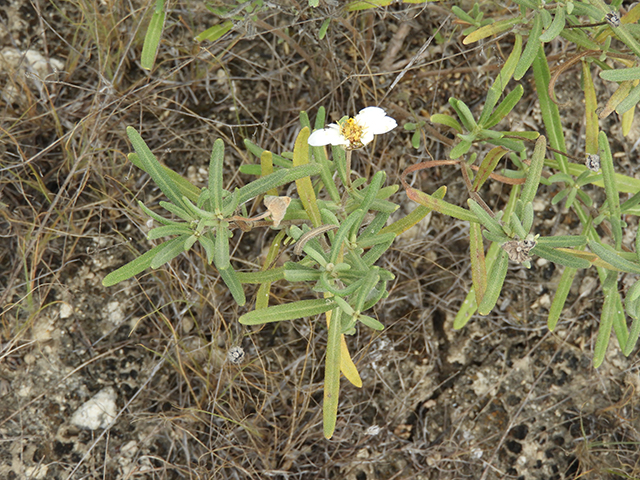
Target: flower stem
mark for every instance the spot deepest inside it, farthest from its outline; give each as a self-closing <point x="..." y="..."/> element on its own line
<point x="348" y="173"/>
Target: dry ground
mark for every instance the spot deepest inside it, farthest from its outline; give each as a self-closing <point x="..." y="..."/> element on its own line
<point x="503" y="398"/>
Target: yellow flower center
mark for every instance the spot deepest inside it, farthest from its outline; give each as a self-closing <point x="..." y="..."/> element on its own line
<point x="352" y="131"/>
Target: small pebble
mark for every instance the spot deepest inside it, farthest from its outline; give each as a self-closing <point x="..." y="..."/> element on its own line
<point x="235" y="355"/>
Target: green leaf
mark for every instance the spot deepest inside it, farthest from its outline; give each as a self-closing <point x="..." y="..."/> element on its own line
<point x="447" y="120"/>
<point x="441" y="206"/>
<point x="562" y="291"/>
<point x="221" y="252"/>
<point x="132" y="268"/>
<point x="371" y="322"/>
<point x="630" y="101"/>
<point x="591" y="104"/>
<point x="562" y="241"/>
<point x="185" y="186"/>
<point x="505" y="107"/>
<point x="288" y="311"/>
<point x="208" y="245"/>
<point x="153" y="167"/>
<point x="214" y="33"/>
<point x="488" y="166"/>
<point x="323" y="28"/>
<point x="549" y="110"/>
<point x="621" y="74"/>
<point x="231" y="280"/>
<point x="560" y="257"/>
<point x="606" y="318"/>
<point x="495" y="280"/>
<point x="153" y="36"/>
<point x="478" y="265"/>
<point x="501" y="81"/>
<point x="610" y="188"/>
<point x="464" y="113"/>
<point x="460" y="149"/>
<point x="556" y="26"/>
<point x="277" y="159"/>
<point x="216" y="186"/>
<point x="332" y="375"/>
<point x="371" y="279"/>
<point x="170" y="250"/>
<point x="262" y="276"/>
<point x="489" y="222"/>
<point x="613" y="259"/>
<point x="492" y="29"/>
<point x="169" y="230"/>
<point x="531" y="49"/>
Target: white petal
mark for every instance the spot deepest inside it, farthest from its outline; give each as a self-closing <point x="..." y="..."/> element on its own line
<point x="367" y="136"/>
<point x="383" y="125"/>
<point x="327" y="136"/>
<point x="375" y="121"/>
<point x="370" y="112"/>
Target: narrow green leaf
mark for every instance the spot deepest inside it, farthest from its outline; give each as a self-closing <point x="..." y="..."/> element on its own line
<point x="170" y="250"/>
<point x="488" y="166"/>
<point x="132" y="268"/>
<point x="632" y="340"/>
<point x="556" y="26"/>
<point x="621" y="74"/>
<point x="613" y="259"/>
<point x="371" y="279"/>
<point x="153" y="36"/>
<point x="216" y="186"/>
<point x="332" y="375"/>
<point x="505" y="107"/>
<point x="304" y="185"/>
<point x="489" y="222"/>
<point x="562" y="241"/>
<point x="288" y="311"/>
<point x="501" y="81"/>
<point x="531" y="49"/>
<point x="341" y="235"/>
<point x="559" y="299"/>
<point x="371" y="322"/>
<point x="153" y="167"/>
<point x="277" y="159"/>
<point x="464" y="113"/>
<point x="231" y="280"/>
<point x="549" y="110"/>
<point x="323" y="28"/>
<point x="169" y="230"/>
<point x="214" y="33"/>
<point x="440" y="205"/>
<point x="495" y="280"/>
<point x="478" y="266"/>
<point x="630" y="101"/>
<point x="560" y="257"/>
<point x="446" y="120"/>
<point x="591" y="104"/>
<point x="262" y="276"/>
<point x="185" y="186"/>
<point x="460" y="149"/>
<point x="417" y="214"/>
<point x="606" y="320"/>
<point x="610" y="188"/>
<point x="221" y="253"/>
<point x="157" y="217"/>
<point x="492" y="29"/>
<point x="208" y="245"/>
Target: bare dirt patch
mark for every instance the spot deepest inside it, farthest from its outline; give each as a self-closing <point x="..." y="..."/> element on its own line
<point x="502" y="398"/>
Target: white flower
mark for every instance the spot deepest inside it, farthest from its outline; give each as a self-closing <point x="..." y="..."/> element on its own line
<point x="354" y="132"/>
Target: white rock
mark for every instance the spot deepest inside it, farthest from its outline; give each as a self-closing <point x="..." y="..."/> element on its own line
<point x="97" y="412"/>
